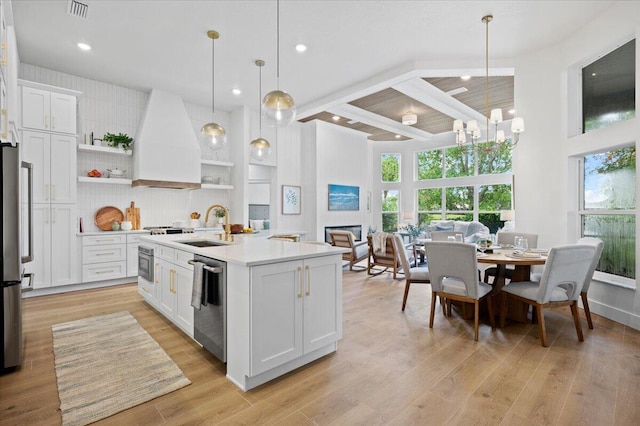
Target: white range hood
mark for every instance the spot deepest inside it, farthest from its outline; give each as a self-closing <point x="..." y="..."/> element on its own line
<point x="166" y="152"/>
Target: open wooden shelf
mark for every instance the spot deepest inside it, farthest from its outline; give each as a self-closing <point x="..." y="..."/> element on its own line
<point x="103" y="149"/>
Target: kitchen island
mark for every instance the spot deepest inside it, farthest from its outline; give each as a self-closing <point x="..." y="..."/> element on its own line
<point x="283" y="299"/>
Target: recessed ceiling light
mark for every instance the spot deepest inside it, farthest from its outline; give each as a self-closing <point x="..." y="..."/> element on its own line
<point x="465" y="77"/>
<point x="512" y="111"/>
<point x="336" y="117"/>
<point x="84" y="46"/>
<point x="593" y="74"/>
<point x="301" y="47"/>
<point x="457" y="91"/>
<point x="236" y="91"/>
<point x="398" y="136"/>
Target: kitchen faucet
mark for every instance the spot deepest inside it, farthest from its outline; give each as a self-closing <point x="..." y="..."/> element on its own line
<point x="227" y="227"/>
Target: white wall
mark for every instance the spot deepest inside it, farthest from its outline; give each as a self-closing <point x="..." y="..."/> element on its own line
<point x="342" y="157"/>
<point x="109" y="108"/>
<point x="545" y="163"/>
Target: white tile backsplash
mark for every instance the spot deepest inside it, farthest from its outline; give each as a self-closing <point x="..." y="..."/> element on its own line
<point x="106" y="107"/>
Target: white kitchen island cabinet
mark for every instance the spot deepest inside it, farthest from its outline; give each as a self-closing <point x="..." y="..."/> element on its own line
<point x="173" y="277"/>
<point x="283" y="305"/>
<point x="293" y="310"/>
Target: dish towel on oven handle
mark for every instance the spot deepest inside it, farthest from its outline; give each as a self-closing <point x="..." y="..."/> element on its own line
<point x="198" y="285"/>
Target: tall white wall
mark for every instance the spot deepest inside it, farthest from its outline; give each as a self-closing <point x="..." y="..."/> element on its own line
<point x="545" y="163"/>
<point x="342" y="157"/>
<point x="106" y="107"/>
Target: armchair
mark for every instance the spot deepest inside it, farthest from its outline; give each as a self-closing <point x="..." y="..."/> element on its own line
<point x="359" y="250"/>
<point x="383" y="253"/>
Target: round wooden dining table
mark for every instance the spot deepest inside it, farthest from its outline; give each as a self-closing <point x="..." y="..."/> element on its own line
<point x="501" y="258"/>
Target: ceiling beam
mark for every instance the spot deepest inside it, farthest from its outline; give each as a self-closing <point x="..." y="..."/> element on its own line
<point x="430" y="95"/>
<point x="363" y="116"/>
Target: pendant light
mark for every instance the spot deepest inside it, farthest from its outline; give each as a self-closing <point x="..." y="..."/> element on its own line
<point x="212" y="135"/>
<point x="493" y="116"/>
<point x="260" y="148"/>
<point x="278" y="107"/>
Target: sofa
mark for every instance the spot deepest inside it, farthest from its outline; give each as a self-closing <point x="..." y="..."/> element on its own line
<point x="471" y="230"/>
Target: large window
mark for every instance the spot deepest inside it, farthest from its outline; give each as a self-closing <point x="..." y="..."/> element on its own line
<point x="390" y="210"/>
<point x="608" y="209"/>
<point x="390" y="165"/>
<point x="458" y="193"/>
<point x="609" y="88"/>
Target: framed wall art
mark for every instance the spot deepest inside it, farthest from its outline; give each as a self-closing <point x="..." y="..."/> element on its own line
<point x="343" y="197"/>
<point x="291" y="199"/>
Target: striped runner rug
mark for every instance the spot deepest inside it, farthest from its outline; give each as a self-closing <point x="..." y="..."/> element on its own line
<point x="107" y="364"/>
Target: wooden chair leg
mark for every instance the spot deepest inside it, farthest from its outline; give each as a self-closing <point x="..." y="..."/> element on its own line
<point x="503" y="308"/>
<point x="491" y="315"/>
<point x="476" y="318"/>
<point x="448" y="306"/>
<point x="576" y="320"/>
<point x="443" y="303"/>
<point x="587" y="312"/>
<point x="406" y="294"/>
<point x="433" y="308"/>
<point x="541" y="327"/>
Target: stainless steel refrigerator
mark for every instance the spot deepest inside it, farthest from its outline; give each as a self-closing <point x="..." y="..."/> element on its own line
<point x="16" y="175"/>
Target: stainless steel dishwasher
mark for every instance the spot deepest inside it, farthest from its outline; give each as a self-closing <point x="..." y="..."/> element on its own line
<point x="210" y="321"/>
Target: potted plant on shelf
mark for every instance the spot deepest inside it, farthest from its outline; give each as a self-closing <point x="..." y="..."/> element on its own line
<point x="121" y="140"/>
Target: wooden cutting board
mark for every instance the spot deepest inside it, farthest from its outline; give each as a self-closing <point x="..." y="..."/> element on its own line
<point x="105" y="216"/>
<point x="133" y="216"/>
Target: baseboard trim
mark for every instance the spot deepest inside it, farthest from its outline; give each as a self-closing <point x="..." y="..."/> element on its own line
<point x="615" y="314"/>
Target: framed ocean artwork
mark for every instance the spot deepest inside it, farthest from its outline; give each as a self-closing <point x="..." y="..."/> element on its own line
<point x="343" y="197"/>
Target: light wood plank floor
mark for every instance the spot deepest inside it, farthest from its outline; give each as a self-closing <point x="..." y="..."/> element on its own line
<point x="390" y="368"/>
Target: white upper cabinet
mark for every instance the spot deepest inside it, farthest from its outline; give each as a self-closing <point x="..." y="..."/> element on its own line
<point x="50" y="111"/>
<point x="54" y="160"/>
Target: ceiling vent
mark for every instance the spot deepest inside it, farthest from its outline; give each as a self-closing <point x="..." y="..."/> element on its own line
<point x="77" y="9"/>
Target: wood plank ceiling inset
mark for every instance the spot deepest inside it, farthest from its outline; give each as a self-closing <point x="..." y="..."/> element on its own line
<point x="500" y="92"/>
<point x="375" y="133"/>
<point x="392" y="104"/>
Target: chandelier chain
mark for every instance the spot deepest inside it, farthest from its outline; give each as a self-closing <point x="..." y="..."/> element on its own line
<point x="213" y="75"/>
<point x="278" y="43"/>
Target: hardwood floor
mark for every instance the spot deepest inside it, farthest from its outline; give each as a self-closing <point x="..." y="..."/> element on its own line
<point x="390" y="368"/>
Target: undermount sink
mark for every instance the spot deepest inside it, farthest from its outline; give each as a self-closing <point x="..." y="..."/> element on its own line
<point x="201" y="243"/>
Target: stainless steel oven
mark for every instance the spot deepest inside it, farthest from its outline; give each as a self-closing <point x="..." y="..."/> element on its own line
<point x="145" y="263"/>
<point x="210" y="321"/>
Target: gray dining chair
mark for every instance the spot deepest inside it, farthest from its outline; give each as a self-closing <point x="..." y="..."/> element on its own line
<point x="453" y="269"/>
<point x="599" y="245"/>
<point x="415" y="275"/>
<point x="561" y="283"/>
<point x="503" y="238"/>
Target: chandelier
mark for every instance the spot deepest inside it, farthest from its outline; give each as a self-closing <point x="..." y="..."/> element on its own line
<point x="494" y="117"/>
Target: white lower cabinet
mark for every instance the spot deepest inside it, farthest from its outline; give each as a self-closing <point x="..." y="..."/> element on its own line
<point x="104" y="257"/>
<point x="54" y="246"/>
<point x="296" y="308"/>
<point x="173" y="278"/>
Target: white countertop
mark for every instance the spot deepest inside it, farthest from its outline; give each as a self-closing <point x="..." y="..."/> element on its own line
<point x="140" y="231"/>
<point x="248" y="249"/>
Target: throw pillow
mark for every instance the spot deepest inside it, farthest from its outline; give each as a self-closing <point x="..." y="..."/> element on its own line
<point x="444" y="228"/>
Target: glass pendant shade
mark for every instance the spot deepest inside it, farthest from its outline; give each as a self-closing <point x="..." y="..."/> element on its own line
<point x="213" y="136"/>
<point x="259" y="149"/>
<point x="278" y="108"/>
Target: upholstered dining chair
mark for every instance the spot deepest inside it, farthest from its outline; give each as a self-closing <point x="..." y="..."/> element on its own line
<point x="444" y="235"/>
<point x="561" y="283"/>
<point x="509" y="238"/>
<point x="599" y="245"/>
<point x="415" y="275"/>
<point x="358" y="250"/>
<point x="453" y="269"/>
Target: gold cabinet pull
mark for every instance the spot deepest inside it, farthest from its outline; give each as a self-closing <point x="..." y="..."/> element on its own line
<point x="308" y="280"/>
<point x="46" y="121"/>
<point x="299" y="281"/>
<point x="4" y="54"/>
<point x="46" y="192"/>
<point x="155" y="273"/>
<point x="53" y="192"/>
<point x="53" y="122"/>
